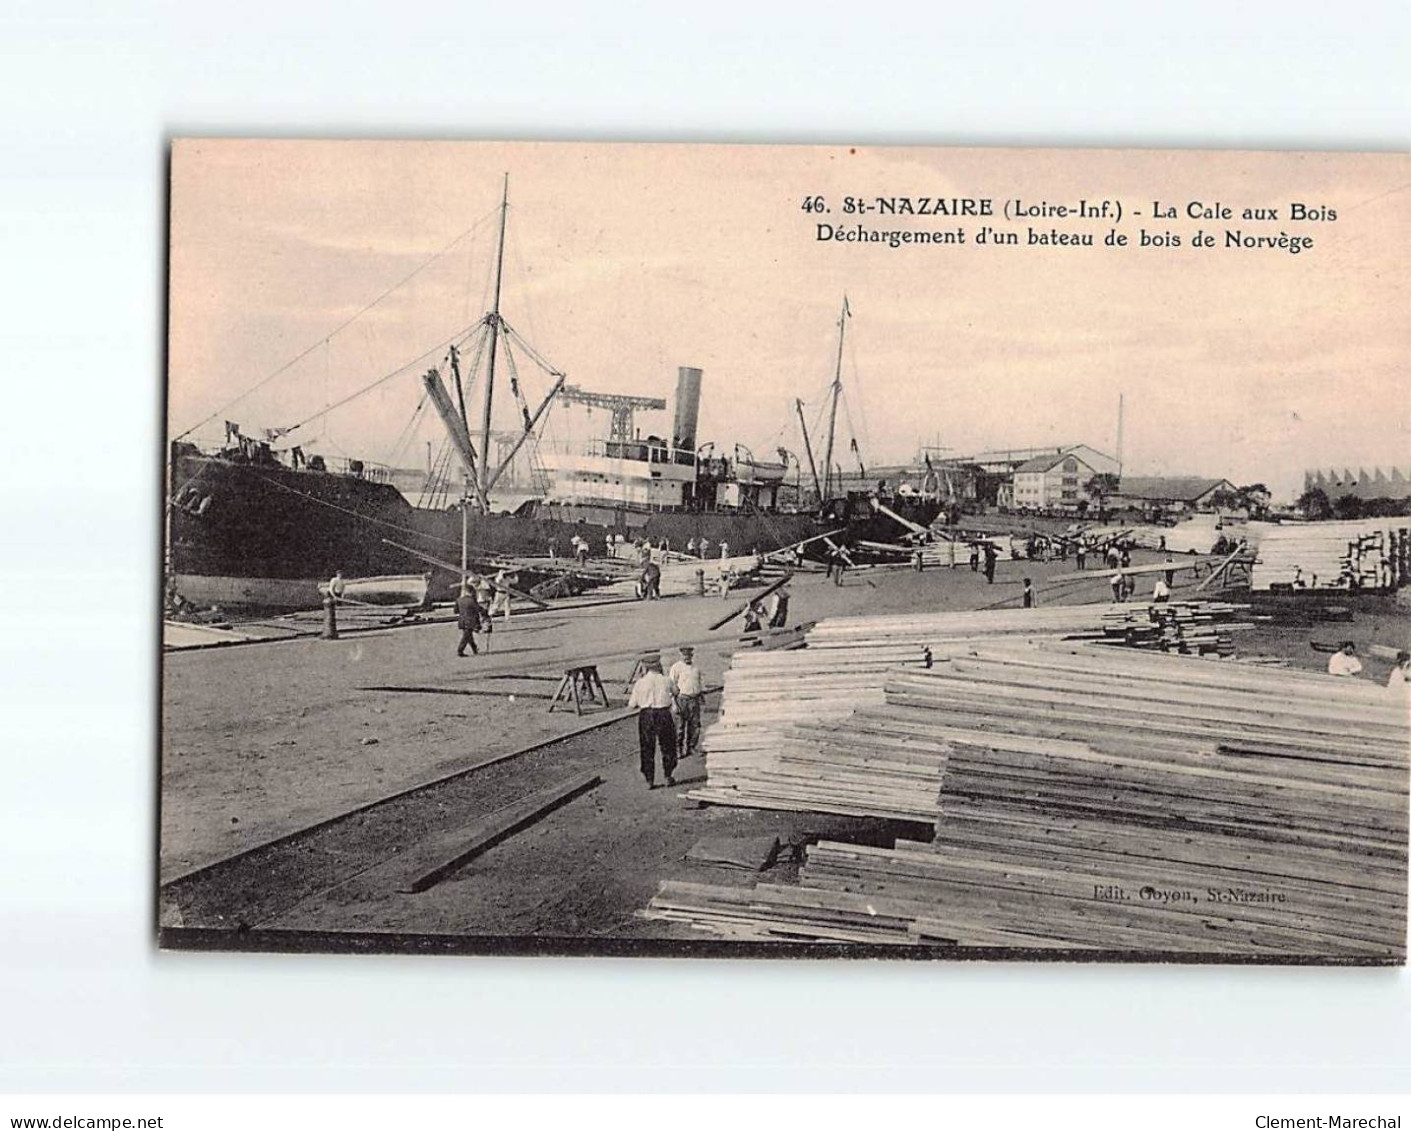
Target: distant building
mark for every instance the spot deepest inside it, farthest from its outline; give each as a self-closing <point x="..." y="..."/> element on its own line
<point x="993" y="472"/>
<point x="1169" y="492"/>
<point x="1381" y="483"/>
<point x="1052" y="482"/>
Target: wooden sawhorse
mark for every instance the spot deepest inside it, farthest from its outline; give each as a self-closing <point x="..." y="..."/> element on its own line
<point x="578" y="685"/>
<point x="639" y="669"/>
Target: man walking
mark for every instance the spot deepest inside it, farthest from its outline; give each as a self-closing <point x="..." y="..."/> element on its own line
<point x="1029" y="598"/>
<point x="991" y="555"/>
<point x="686" y="679"/>
<point x="467" y="620"/>
<point x="652" y="697"/>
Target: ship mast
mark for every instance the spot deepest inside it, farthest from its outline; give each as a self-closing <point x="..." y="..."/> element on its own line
<point x="493" y="318"/>
<point x="833" y="407"/>
<point x="808" y="450"/>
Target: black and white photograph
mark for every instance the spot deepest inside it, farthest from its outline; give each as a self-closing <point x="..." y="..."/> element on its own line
<point x="799" y="551"/>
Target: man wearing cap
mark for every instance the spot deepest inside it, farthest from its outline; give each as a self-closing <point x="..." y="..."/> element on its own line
<point x="652" y="697"/>
<point x="686" y="679"/>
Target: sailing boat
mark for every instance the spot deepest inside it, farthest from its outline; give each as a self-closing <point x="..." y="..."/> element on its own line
<point x="868" y="515"/>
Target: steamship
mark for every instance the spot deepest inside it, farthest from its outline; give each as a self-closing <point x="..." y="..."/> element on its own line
<point x="253" y="526"/>
<point x="249" y="528"/>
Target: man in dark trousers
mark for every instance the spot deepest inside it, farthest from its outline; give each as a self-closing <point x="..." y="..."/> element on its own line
<point x="468" y="619"/>
<point x="652" y="697"/>
<point x="1028" y="593"/>
<point x="991" y="554"/>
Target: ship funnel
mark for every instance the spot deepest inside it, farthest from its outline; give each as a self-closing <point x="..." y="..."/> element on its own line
<point x="688" y="407"/>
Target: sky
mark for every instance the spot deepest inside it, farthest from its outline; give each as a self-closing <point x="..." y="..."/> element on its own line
<point x="623" y="262"/>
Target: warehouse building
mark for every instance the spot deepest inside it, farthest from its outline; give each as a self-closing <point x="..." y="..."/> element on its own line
<point x="1052" y="482"/>
<point x="1177" y="494"/>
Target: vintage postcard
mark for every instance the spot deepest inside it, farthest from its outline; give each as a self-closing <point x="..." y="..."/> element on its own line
<point x="693" y="549"/>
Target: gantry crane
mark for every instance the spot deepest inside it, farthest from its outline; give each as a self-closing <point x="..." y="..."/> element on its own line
<point x="621" y="406"/>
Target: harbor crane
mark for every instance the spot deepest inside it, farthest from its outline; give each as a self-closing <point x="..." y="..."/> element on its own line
<point x="620" y="405"/>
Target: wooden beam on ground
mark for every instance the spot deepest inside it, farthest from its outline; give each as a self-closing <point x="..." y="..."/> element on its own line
<point x="427" y="863"/>
<point x="500" y="585"/>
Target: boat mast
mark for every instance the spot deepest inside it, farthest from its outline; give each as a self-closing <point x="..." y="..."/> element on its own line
<point x="833" y="407"/>
<point x="494" y="320"/>
<point x="808" y="450"/>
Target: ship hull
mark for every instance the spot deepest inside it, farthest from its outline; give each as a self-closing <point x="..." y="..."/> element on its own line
<point x="264" y="536"/>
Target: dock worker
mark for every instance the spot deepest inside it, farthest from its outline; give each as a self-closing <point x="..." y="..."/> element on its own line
<point x="991" y="556"/>
<point x="724" y="549"/>
<point x="651" y="582"/>
<point x="754" y="617"/>
<point x="686" y="679"/>
<point x="467" y="620"/>
<point x="652" y="697"/>
<point x="1170" y="574"/>
<point x="1400" y="678"/>
<point x="1080" y="550"/>
<point x="691" y="546"/>
<point x="1161" y="591"/>
<point x="1114" y="556"/>
<point x="779" y="608"/>
<point x="1344" y="661"/>
<point x="582" y="551"/>
<point x="501" y="603"/>
<point x="336" y="585"/>
<point x="1030" y="600"/>
<point x="974" y="557"/>
<point x="1119" y="586"/>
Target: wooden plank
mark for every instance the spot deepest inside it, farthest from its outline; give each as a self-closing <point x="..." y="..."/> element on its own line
<point x="432" y="859"/>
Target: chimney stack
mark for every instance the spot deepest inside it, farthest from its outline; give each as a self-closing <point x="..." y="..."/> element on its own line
<point x="688" y="407"/>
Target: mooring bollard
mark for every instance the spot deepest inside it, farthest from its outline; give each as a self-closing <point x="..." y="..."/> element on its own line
<point x="330" y="618"/>
<point x="700" y="583"/>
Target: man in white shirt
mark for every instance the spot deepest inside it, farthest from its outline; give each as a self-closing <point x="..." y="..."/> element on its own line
<point x="1160" y="592"/>
<point x="652" y="697"/>
<point x="1400" y="678"/>
<point x="1344" y="661"/>
<point x="686" y="679"/>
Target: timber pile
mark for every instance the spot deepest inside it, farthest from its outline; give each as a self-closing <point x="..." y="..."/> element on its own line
<point x="678" y="578"/>
<point x="1138" y="803"/>
<point x="843" y="668"/>
<point x="861" y="765"/>
<point x="1363" y="554"/>
<point x="1188" y="627"/>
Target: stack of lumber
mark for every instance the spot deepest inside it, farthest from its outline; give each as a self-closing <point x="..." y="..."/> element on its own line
<point x="678" y="578"/>
<point x="864" y="764"/>
<point x="1361" y="554"/>
<point x="1189" y="627"/>
<point x="1136" y="803"/>
<point x="843" y="668"/>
